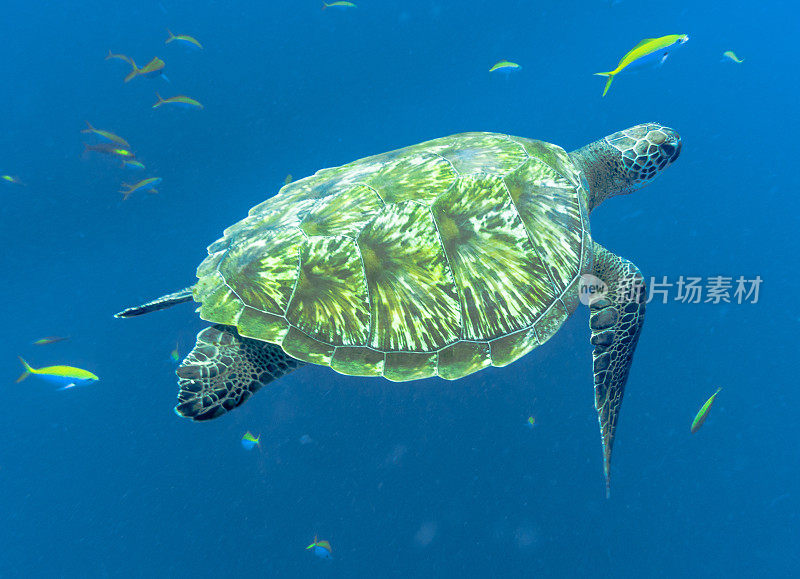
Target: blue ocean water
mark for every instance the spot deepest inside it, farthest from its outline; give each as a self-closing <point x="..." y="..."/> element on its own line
<point x="428" y="478"/>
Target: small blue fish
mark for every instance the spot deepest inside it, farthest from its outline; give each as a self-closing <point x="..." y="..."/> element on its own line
<point x="64" y="376"/>
<point x="249" y="441"/>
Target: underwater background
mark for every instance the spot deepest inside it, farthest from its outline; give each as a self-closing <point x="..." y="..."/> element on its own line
<point x="427" y="478"/>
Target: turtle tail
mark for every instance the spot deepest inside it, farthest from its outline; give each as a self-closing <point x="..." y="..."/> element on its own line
<point x="610" y="76"/>
<point x="162" y="303"/>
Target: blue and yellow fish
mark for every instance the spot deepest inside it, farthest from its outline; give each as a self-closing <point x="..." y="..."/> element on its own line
<point x="64" y="376"/>
<point x="505" y="66"/>
<point x="321" y="549"/>
<point x="105" y="136"/>
<point x="180" y="101"/>
<point x="702" y="414"/>
<point x="110" y="149"/>
<point x="184" y="40"/>
<point x="50" y="340"/>
<point x="249" y="441"/>
<point x="133" y="165"/>
<point x="338" y="4"/>
<point x="731" y="56"/>
<point x="122" y="57"/>
<point x="650" y="51"/>
<point x="153" y="68"/>
<point x="148" y="185"/>
<point x="12" y="179"/>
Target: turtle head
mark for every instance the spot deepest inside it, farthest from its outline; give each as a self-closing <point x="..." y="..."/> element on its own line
<point x="627" y="160"/>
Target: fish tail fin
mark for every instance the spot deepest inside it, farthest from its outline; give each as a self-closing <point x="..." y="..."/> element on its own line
<point x="134" y="71"/>
<point x="159" y="102"/>
<point x="324" y="5"/>
<point x="171" y="37"/>
<point x="610" y="76"/>
<point x="110" y="55"/>
<point x="28" y="370"/>
<point x="89" y="128"/>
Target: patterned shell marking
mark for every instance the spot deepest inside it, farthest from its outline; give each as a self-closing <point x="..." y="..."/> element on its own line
<point x="437" y="259"/>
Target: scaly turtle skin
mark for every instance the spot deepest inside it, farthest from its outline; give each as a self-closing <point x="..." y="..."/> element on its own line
<point x="438" y="259"/>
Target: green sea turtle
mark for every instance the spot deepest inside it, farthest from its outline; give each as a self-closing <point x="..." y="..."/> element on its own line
<point x="438" y="259"/>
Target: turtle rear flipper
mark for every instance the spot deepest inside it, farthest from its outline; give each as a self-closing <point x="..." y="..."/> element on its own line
<point x="616" y="320"/>
<point x="224" y="369"/>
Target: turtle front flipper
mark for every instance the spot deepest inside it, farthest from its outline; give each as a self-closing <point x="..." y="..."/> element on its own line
<point x="224" y="369"/>
<point x="616" y="319"/>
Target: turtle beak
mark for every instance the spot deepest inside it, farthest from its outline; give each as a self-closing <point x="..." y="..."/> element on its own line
<point x="671" y="148"/>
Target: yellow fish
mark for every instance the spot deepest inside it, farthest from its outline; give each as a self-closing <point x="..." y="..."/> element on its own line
<point x="106" y="136"/>
<point x="732" y="55"/>
<point x="649" y="51"/>
<point x="702" y="414"/>
<point x="338" y="4"/>
<point x="180" y="101"/>
<point x="505" y="65"/>
<point x="153" y="68"/>
<point x="65" y="376"/>
<point x="148" y="185"/>
<point x="184" y="39"/>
